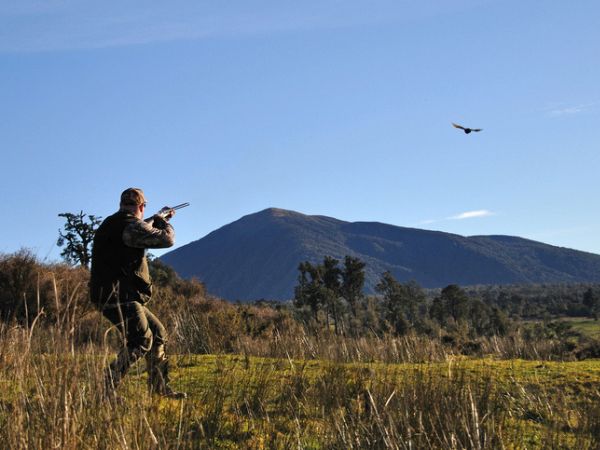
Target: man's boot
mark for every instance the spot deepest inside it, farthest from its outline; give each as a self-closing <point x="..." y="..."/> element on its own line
<point x="157" y="365"/>
<point x="115" y="372"/>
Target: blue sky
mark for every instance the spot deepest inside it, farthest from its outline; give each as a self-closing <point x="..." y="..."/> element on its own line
<point x="337" y="108"/>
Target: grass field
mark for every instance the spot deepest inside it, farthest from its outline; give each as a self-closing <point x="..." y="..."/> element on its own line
<point x="471" y="403"/>
<point x="248" y="402"/>
<point x="587" y="327"/>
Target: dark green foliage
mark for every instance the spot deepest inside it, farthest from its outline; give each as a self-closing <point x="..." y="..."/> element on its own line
<point x="457" y="311"/>
<point x="455" y="302"/>
<point x="353" y="282"/>
<point x="319" y="287"/>
<point x="308" y="292"/>
<point x="436" y="311"/>
<point x="332" y="290"/>
<point x="534" y="301"/>
<point x="591" y="299"/>
<point x="400" y="303"/>
<point x="77" y="237"/>
<point x="333" y="297"/>
<point x="499" y="321"/>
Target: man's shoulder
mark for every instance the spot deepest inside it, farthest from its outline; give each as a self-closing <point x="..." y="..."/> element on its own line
<point x="135" y="227"/>
<point x="121" y="216"/>
<point x="118" y="220"/>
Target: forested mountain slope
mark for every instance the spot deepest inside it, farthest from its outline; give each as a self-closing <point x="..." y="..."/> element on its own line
<point x="257" y="256"/>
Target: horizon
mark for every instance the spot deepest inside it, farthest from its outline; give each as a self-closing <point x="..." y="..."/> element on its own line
<point x="329" y="108"/>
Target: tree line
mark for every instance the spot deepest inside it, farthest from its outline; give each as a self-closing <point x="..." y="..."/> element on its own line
<point x="330" y="295"/>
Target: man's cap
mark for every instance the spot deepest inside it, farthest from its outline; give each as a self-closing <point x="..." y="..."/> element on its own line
<point x="133" y="197"/>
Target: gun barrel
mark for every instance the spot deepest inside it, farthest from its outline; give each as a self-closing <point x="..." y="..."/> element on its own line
<point x="182" y="205"/>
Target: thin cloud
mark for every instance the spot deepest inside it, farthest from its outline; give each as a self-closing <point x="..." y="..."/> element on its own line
<point x="54" y="25"/>
<point x="471" y="214"/>
<point x="564" y="110"/>
<point x="462" y="216"/>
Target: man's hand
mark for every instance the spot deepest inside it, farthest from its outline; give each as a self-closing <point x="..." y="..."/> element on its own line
<point x="166" y="213"/>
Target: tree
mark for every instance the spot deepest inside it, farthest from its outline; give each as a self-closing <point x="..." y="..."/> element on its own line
<point x="592" y="301"/>
<point x="456" y="301"/>
<point x="400" y="302"/>
<point x="331" y="289"/>
<point x="479" y="316"/>
<point x="77" y="237"/>
<point x="308" y="290"/>
<point x="325" y="287"/>
<point x="393" y="302"/>
<point x="353" y="281"/>
<point x="499" y="321"/>
<point x="415" y="300"/>
<point x="437" y="312"/>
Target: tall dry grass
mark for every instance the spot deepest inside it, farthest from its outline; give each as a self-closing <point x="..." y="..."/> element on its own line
<point x="51" y="399"/>
<point x="212" y="326"/>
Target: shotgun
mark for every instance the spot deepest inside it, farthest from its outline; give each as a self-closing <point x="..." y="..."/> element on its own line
<point x="164" y="212"/>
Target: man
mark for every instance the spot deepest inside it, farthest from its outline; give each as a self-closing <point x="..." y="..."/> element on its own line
<point x="120" y="286"/>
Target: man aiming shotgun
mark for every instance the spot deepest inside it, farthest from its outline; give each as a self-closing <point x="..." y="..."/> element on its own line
<point x="120" y="286"/>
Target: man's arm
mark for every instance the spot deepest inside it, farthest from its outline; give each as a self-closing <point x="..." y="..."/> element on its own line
<point x="152" y="233"/>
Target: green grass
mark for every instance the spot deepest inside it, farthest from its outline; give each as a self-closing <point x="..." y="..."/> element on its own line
<point x="248" y="402"/>
<point x="198" y="372"/>
<point x="585" y="326"/>
<point x="273" y="400"/>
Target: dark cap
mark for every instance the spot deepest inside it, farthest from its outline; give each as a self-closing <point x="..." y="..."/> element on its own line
<point x="133" y="197"/>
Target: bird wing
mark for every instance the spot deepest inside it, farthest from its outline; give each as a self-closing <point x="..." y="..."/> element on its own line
<point x="457" y="126"/>
<point x="476" y="129"/>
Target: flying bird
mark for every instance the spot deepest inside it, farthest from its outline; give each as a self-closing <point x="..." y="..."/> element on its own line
<point x="466" y="130"/>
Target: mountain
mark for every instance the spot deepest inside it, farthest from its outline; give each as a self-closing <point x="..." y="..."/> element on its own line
<point x="257" y="256"/>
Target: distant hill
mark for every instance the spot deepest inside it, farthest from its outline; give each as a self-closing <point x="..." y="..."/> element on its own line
<point x="257" y="256"/>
